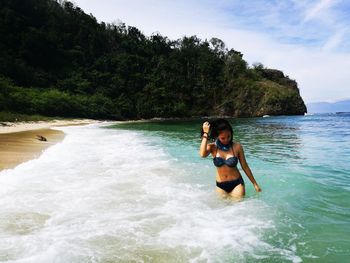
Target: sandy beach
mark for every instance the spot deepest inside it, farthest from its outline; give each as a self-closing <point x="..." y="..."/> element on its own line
<point x="9" y="127"/>
<point x="19" y="142"/>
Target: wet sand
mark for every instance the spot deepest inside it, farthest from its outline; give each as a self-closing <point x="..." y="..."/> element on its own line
<point x="19" y="142"/>
<point x="19" y="147"/>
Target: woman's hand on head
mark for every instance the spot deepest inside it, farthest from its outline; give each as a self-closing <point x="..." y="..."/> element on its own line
<point x="206" y="127"/>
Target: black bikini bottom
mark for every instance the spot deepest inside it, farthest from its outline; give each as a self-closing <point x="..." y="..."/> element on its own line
<point x="228" y="186"/>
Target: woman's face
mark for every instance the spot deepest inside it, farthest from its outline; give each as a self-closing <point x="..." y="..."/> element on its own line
<point x="225" y="137"/>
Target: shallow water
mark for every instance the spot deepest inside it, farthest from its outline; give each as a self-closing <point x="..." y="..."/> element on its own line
<point x="138" y="192"/>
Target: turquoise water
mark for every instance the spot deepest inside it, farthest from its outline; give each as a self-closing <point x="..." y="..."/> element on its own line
<point x="303" y="166"/>
<point x="139" y="192"/>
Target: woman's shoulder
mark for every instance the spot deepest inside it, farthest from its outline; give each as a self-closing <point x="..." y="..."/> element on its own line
<point x="212" y="144"/>
<point x="237" y="145"/>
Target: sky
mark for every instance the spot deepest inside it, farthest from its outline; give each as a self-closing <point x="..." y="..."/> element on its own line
<point x="309" y="40"/>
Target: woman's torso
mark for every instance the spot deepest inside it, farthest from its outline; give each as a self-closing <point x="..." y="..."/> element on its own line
<point x="226" y="163"/>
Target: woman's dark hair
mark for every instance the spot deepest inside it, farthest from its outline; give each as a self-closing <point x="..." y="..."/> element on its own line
<point x="217" y="126"/>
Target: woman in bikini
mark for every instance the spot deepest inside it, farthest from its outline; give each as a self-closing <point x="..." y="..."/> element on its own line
<point x="226" y="155"/>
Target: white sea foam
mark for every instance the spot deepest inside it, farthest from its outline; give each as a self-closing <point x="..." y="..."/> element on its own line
<point x="104" y="195"/>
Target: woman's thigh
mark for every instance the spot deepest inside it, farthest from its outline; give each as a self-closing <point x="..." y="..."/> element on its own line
<point x="238" y="191"/>
<point x="221" y="192"/>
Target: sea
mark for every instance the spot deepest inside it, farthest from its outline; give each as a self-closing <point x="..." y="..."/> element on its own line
<point x="140" y="192"/>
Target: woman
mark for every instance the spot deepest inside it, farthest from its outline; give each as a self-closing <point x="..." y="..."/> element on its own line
<point x="226" y="155"/>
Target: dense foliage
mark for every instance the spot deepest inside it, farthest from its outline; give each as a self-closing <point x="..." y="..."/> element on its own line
<point x="55" y="60"/>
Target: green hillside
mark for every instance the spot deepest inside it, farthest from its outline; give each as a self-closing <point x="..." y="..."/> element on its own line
<point x="55" y="60"/>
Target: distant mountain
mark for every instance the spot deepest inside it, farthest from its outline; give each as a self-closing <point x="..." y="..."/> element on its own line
<point x="325" y="107"/>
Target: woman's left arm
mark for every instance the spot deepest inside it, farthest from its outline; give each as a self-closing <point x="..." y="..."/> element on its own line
<point x="246" y="168"/>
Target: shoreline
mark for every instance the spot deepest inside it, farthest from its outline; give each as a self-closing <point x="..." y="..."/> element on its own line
<point x="19" y="140"/>
<point x="11" y="127"/>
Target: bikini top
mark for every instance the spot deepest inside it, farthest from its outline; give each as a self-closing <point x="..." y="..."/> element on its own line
<point x="230" y="162"/>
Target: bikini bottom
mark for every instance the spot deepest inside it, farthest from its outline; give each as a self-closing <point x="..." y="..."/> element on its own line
<point x="228" y="186"/>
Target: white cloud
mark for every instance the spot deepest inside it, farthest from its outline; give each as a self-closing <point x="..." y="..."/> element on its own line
<point x="335" y="40"/>
<point x="318" y="10"/>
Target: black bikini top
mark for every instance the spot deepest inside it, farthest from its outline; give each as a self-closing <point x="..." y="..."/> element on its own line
<point x="230" y="162"/>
